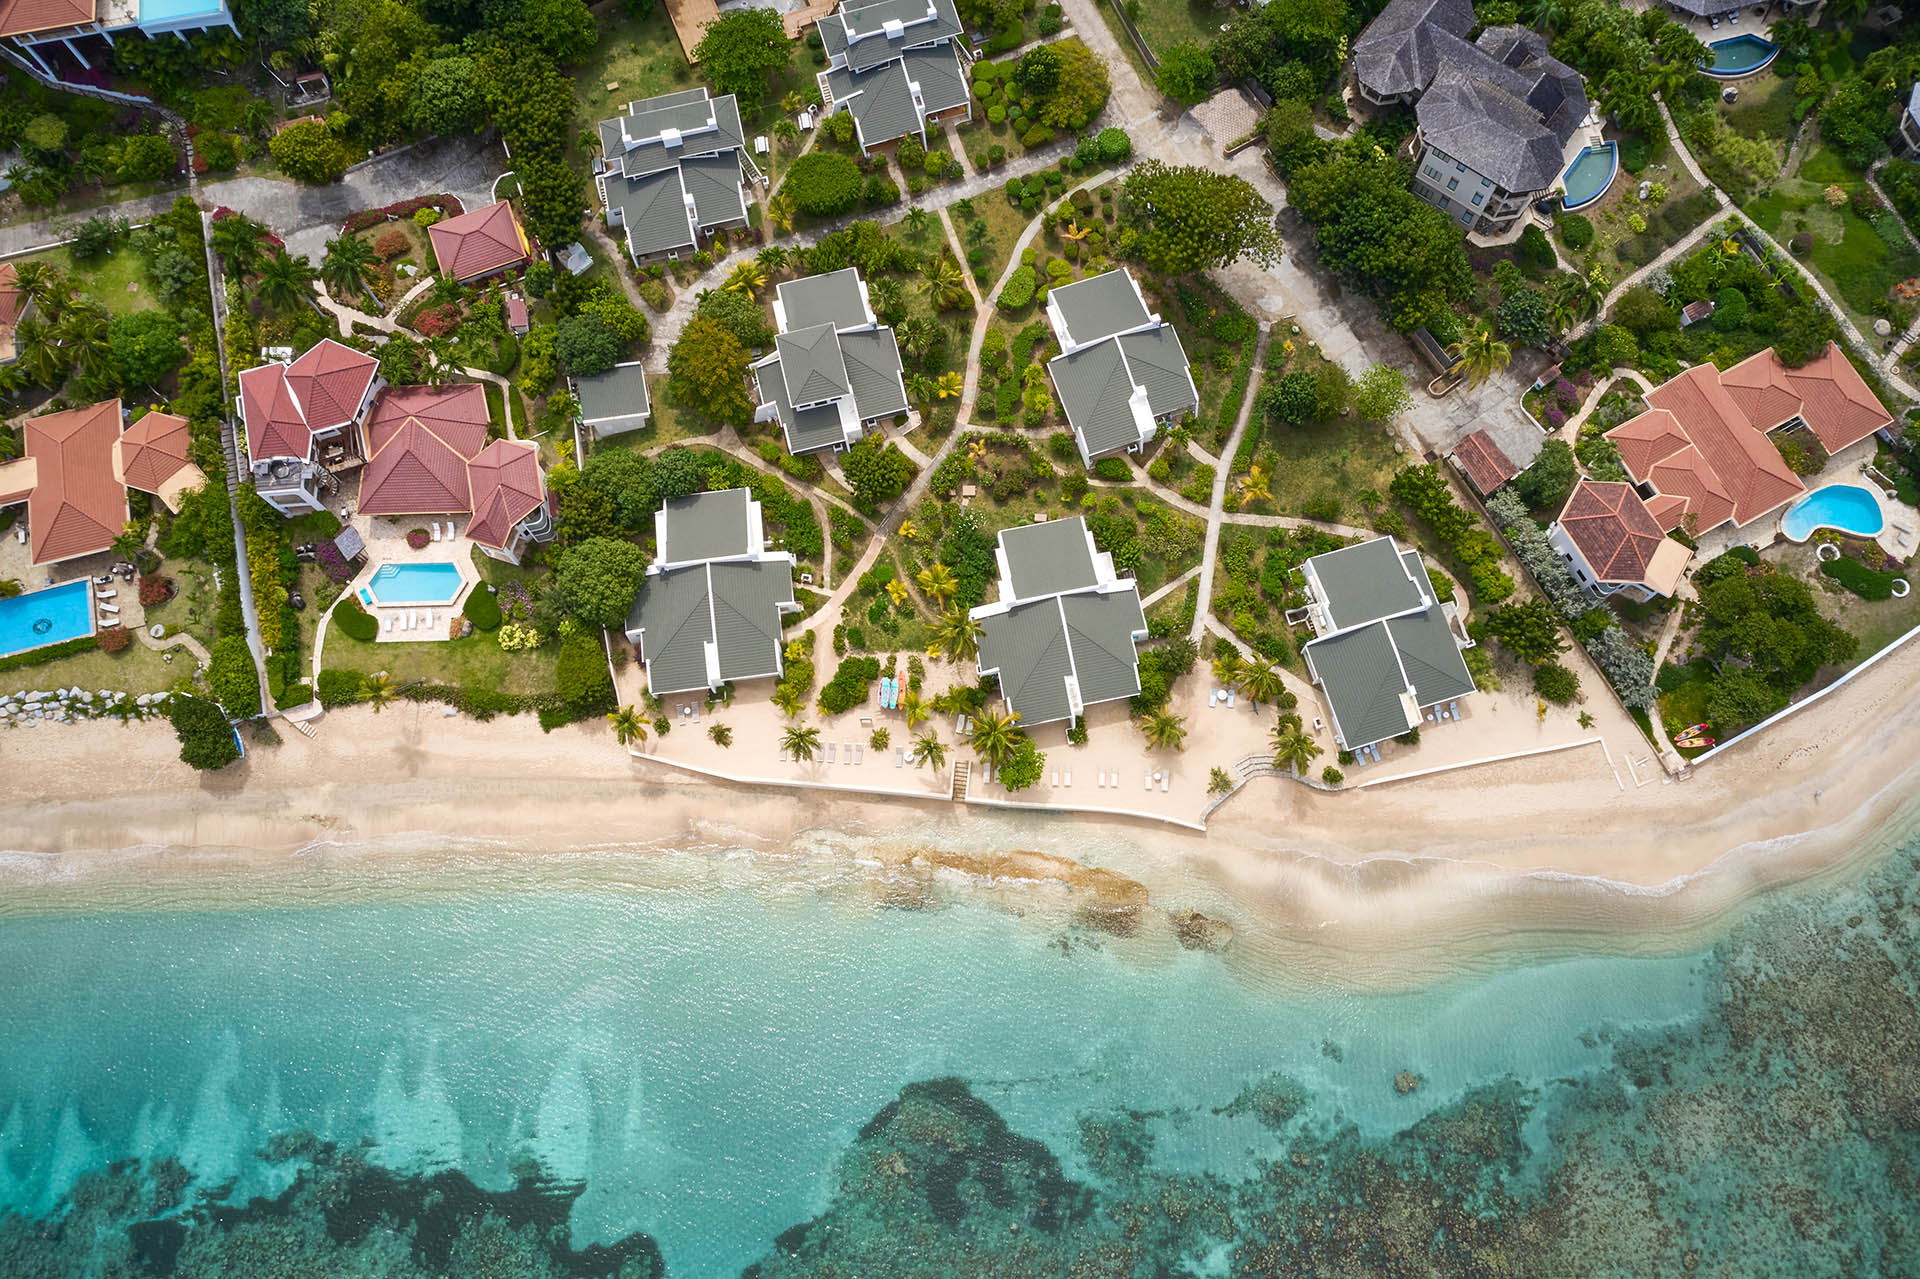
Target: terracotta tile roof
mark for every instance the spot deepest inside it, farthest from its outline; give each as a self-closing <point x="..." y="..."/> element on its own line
<point x="13" y="298"/>
<point x="330" y="381"/>
<point x="457" y="414"/>
<point x="1484" y="462"/>
<point x="1668" y="510"/>
<point x="507" y="487"/>
<point x="77" y="507"/>
<point x="479" y="243"/>
<point x="417" y="473"/>
<point x="1835" y="400"/>
<point x="1621" y="540"/>
<point x="21" y="17"/>
<point x="276" y="425"/>
<point x="152" y="451"/>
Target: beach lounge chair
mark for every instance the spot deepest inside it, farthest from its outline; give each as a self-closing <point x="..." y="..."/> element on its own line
<point x="1054" y="778"/>
<point x="429" y="622"/>
<point x="105" y="578"/>
<point x="959" y="723"/>
<point x="859" y="754"/>
<point x="433" y="529"/>
<point x="831" y="747"/>
<point x="1229" y="699"/>
<point x="1213" y="698"/>
<point x="1166" y="782"/>
<point x="105" y="595"/>
<point x="388" y="619"/>
<point x="899" y="757"/>
<point x="1069" y="778"/>
<point x="105" y="622"/>
<point x="1146" y="779"/>
<point x="1453" y="708"/>
<point x="783" y="754"/>
<point x="112" y="610"/>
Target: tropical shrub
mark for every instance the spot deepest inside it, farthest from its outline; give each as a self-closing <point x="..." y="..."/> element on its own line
<point x="206" y="739"/>
<point x="338" y="687"/>
<point x="823" y="184"/>
<point x="1555" y="683"/>
<point x="355" y="621"/>
<point x="482" y="609"/>
<point x="231" y="677"/>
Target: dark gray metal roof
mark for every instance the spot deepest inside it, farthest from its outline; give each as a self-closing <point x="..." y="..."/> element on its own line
<point x="838" y="298"/>
<point x="1035" y="648"/>
<point x="811" y="365"/>
<point x="942" y="80"/>
<point x="880" y="100"/>
<point x="1366" y="582"/>
<point x="653" y="210"/>
<point x="1095" y="388"/>
<point x="707" y="526"/>
<point x="1045" y="559"/>
<point x="659" y="133"/>
<point x="859" y="29"/>
<point x="1102" y="627"/>
<point x="1400" y="50"/>
<point x="1159" y="363"/>
<point x="874" y="373"/>
<point x="747" y="598"/>
<point x="1431" y="656"/>
<point x="1099" y="306"/>
<point x="806" y="429"/>
<point x="673" y="618"/>
<point x="616" y="400"/>
<point x="714" y="182"/>
<point x="1360" y="672"/>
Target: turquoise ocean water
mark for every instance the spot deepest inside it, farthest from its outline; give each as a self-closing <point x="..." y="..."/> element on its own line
<point x="811" y="1082"/>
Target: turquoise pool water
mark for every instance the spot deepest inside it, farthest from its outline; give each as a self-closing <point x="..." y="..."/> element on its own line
<point x="1740" y="55"/>
<point x="1589" y="176"/>
<point x="436" y="583"/>
<point x="172" y="10"/>
<point x="1846" y="507"/>
<point x="52" y="616"/>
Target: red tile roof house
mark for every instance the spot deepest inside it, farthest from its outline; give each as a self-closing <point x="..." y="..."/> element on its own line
<point x="1701" y="455"/>
<point x="428" y="454"/>
<point x="1614" y="545"/>
<point x="483" y="243"/>
<point x="297" y="418"/>
<point x="76" y="470"/>
<point x="1484" y="463"/>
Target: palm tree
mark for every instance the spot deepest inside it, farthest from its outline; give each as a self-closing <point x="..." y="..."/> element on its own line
<point x="1226" y="665"/>
<point x="82" y="334"/>
<point x="917" y="219"/>
<point x="946" y="283"/>
<point x="928" y="749"/>
<point x="746" y="277"/>
<point x="1260" y="681"/>
<point x="1074" y="231"/>
<point x="1293" y="749"/>
<point x="377" y="690"/>
<point x="772" y="258"/>
<point x="921" y="389"/>
<point x="801" y="741"/>
<point x="949" y="385"/>
<point x="284" y="281"/>
<point x="722" y="735"/>
<point x="42" y="358"/>
<point x="957" y="636"/>
<point x="888" y="299"/>
<point x="1481" y="355"/>
<point x="629" y="725"/>
<point x="344" y="269"/>
<point x="780" y="211"/>
<point x="915" y="709"/>
<point x="916" y="335"/>
<point x="994" y="737"/>
<point x="1256" y="485"/>
<point x="793" y="103"/>
<point x="788" y="700"/>
<point x="939" y="583"/>
<point x="1569" y="300"/>
<point x="237" y="240"/>
<point x="45" y="285"/>
<point x="1164" y="730"/>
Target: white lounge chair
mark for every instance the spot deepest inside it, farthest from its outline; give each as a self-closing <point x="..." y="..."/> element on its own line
<point x="429" y="621"/>
<point x="1213" y="698"/>
<point x="105" y="595"/>
<point x="899" y="757"/>
<point x="388" y="619"/>
<point x="1069" y="778"/>
<point x="1166" y="782"/>
<point x="109" y="621"/>
<point x="831" y="747"/>
<point x="1053" y="779"/>
<point x="1229" y="699"/>
<point x="111" y="610"/>
<point x="1454" y="707"/>
<point x="1147" y="779"/>
<point x="783" y="754"/>
<point x="859" y="754"/>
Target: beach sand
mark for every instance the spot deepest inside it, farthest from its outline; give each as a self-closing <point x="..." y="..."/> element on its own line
<point x="1379" y="887"/>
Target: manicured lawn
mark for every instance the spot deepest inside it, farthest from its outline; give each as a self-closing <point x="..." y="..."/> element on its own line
<point x="194" y="600"/>
<point x="1004" y="223"/>
<point x="117" y="280"/>
<point x="477" y="661"/>
<point x="137" y="670"/>
<point x="1854" y="260"/>
<point x="1166" y="23"/>
<point x="640" y="57"/>
<point x="1765" y="109"/>
<point x="1876" y="623"/>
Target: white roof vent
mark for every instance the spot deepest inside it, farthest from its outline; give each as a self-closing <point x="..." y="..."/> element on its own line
<point x="669" y="138"/>
<point x="894" y="28"/>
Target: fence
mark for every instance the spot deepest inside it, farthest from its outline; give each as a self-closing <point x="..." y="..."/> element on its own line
<point x="1139" y="41"/>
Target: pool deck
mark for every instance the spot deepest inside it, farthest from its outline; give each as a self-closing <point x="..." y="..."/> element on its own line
<point x="387" y="544"/>
<point x="1899" y="533"/>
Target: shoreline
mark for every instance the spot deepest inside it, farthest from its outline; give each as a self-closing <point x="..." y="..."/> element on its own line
<point x="1378" y="888"/>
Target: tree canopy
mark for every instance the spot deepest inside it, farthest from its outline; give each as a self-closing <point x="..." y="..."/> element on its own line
<point x="741" y="49"/>
<point x="1187" y="73"/>
<point x="1193" y="218"/>
<point x="307" y="151"/>
<point x="823" y="184"/>
<point x="598" y="579"/>
<point x="146" y="346"/>
<point x="707" y="369"/>
<point x="206" y="739"/>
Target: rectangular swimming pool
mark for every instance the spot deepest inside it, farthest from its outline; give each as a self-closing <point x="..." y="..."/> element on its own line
<point x="433" y="583"/>
<point x="172" y="10"/>
<point x="39" y="618"/>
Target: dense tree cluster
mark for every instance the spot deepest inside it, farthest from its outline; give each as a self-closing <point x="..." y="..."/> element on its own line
<point x="1192" y="218"/>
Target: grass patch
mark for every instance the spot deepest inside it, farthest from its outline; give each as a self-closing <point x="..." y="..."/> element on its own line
<point x="1765" y="109"/>
<point x="1166" y="23"/>
<point x="639" y="55"/>
<point x="117" y="280"/>
<point x="477" y="661"/>
<point x="1003" y="225"/>
<point x="136" y="670"/>
<point x="1853" y="259"/>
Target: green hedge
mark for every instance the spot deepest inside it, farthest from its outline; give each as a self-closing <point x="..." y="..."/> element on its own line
<point x="1019" y="289"/>
<point x="51" y="653"/>
<point x="849" y="685"/>
<point x="1867" y="583"/>
<point x="232" y="678"/>
<point x="482" y="609"/>
<point x="339" y="687"/>
<point x="356" y="621"/>
<point x="295" y="695"/>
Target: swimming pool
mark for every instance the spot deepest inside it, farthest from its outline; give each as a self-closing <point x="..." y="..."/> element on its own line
<point x="1846" y="507"/>
<point x="173" y="10"/>
<point x="53" y="616"/>
<point x="1589" y="176"/>
<point x="436" y="583"/>
<point x="1737" y="56"/>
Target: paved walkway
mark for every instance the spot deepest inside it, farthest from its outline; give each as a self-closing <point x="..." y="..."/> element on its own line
<point x="1217" y="505"/>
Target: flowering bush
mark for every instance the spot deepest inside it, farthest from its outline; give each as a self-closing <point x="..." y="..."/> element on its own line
<point x="1566" y="395"/>
<point x="447" y="204"/>
<point x="516" y="636"/>
<point x="438" y="321"/>
<point x="516" y="605"/>
<point x="418" y="538"/>
<point x="391" y="244"/>
<point x="155" y="591"/>
<point x="331" y="562"/>
<point x="113" y="640"/>
<point x="1556" y="417"/>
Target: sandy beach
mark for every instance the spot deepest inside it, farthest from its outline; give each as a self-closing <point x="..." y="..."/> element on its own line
<point x="1376" y="887"/>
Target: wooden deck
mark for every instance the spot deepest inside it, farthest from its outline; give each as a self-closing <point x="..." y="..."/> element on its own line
<point x="800" y="19"/>
<point x="690" y="19"/>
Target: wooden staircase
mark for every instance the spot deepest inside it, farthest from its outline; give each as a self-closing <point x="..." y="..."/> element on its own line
<point x="960" y="774"/>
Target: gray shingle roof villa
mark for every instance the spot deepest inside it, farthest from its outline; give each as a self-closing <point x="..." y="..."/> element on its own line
<point x="1387" y="647"/>
<point x="1500" y="119"/>
<point x="1061" y="637"/>
<point x="672" y="171"/>
<point x="893" y="65"/>
<point x="709" y="611"/>
<point x="1121" y="371"/>
<point x="834" y="369"/>
<point x="614" y="402"/>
